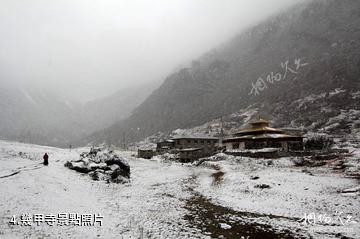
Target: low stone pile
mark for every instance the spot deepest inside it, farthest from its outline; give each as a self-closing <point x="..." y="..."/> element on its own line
<point x="308" y="162"/>
<point x="102" y="164"/>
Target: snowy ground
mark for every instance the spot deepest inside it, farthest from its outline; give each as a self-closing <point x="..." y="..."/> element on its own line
<point x="293" y="192"/>
<point x="150" y="205"/>
<point x="170" y="200"/>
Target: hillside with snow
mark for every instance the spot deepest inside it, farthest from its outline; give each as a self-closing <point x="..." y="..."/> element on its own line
<point x="300" y="54"/>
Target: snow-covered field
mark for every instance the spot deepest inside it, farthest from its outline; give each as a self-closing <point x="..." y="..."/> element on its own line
<point x="290" y="194"/>
<point x="150" y="205"/>
<point x="223" y="199"/>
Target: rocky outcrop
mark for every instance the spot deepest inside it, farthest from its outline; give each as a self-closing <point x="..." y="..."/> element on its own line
<point x="102" y="164"/>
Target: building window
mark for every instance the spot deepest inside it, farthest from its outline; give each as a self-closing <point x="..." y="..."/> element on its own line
<point x="235" y="145"/>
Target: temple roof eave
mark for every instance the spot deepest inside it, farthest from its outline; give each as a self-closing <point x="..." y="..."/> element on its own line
<point x="263" y="137"/>
<point x="265" y="129"/>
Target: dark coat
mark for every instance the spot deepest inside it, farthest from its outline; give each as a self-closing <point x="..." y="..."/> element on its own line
<point x="46" y="159"/>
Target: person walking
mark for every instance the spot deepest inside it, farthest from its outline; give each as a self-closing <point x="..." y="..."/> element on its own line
<point x="46" y="159"/>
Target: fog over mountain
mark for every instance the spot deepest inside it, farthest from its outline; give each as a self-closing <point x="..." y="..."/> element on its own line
<point x="42" y="117"/>
<point x="309" y="53"/>
<point x="72" y="68"/>
<point x="84" y="50"/>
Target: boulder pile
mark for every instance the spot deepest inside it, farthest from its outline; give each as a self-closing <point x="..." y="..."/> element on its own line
<point x="102" y="164"/>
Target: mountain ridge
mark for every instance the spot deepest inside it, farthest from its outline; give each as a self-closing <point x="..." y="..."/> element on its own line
<point x="317" y="39"/>
<point x="38" y="116"/>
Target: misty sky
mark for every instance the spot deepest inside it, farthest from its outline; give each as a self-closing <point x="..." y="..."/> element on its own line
<point x="90" y="48"/>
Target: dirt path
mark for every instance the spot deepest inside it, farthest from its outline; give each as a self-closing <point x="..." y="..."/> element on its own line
<point x="217" y="221"/>
<point x="20" y="169"/>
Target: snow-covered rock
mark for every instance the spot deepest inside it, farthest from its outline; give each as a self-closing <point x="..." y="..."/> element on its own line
<point x="101" y="164"/>
<point x="98" y="165"/>
<point x="224" y="226"/>
<point x="78" y="166"/>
